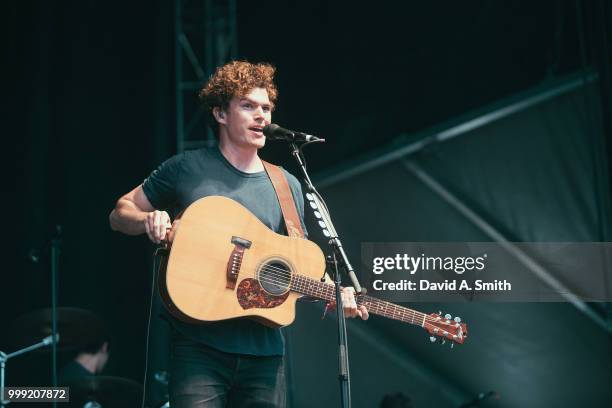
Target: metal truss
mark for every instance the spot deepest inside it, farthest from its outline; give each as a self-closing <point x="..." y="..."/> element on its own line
<point x="205" y="37"/>
<point x="445" y="132"/>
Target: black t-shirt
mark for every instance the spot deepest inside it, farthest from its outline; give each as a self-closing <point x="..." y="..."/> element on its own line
<point x="192" y="175"/>
<point x="73" y="371"/>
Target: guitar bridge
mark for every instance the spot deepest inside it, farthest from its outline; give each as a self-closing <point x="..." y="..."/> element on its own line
<point x="235" y="260"/>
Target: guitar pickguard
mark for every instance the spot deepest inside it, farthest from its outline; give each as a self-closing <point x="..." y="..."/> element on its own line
<point x="251" y="295"/>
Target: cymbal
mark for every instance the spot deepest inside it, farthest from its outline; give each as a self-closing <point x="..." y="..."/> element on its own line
<point x="109" y="392"/>
<point x="76" y="327"/>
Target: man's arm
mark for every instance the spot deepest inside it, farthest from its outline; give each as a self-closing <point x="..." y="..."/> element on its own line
<point x="134" y="215"/>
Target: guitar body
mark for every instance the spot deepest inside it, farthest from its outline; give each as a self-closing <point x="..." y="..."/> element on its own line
<point x="225" y="264"/>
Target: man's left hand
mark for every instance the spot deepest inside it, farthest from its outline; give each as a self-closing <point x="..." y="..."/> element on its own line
<point x="350" y="305"/>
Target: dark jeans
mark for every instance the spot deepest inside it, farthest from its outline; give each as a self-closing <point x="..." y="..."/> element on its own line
<point x="201" y="377"/>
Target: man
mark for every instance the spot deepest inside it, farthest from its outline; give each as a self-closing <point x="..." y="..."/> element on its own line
<point x="236" y="362"/>
<point x="89" y="361"/>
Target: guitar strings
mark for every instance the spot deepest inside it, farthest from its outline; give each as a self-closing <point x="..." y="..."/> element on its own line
<point x="282" y="277"/>
<point x="404" y="313"/>
<point x="275" y="272"/>
<point x="270" y="267"/>
<point x="269" y="278"/>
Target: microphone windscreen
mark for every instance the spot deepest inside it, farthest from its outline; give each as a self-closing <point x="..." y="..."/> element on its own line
<point x="270" y="130"/>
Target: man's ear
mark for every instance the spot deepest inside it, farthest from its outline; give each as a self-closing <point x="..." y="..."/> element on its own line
<point x="219" y="115"/>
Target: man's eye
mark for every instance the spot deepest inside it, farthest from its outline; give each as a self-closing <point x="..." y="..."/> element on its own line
<point x="247" y="105"/>
<point x="266" y="109"/>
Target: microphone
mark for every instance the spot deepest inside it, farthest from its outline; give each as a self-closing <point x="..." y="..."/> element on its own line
<point x="275" y="132"/>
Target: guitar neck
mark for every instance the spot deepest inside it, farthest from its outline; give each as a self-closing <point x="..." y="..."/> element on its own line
<point x="326" y="291"/>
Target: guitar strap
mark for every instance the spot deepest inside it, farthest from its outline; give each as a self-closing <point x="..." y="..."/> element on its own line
<point x="285" y="198"/>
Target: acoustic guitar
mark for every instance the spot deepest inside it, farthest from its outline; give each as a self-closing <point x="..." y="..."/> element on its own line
<point x="224" y="263"/>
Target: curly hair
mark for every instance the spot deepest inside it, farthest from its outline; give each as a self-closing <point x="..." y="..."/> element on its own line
<point x="236" y="78"/>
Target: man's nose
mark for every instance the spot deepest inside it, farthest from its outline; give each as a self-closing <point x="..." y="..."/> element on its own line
<point x="259" y="114"/>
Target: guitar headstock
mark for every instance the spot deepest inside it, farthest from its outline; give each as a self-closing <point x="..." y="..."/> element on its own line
<point x="445" y="328"/>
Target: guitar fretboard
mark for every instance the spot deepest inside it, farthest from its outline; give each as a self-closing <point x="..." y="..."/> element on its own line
<point x="326" y="291"/>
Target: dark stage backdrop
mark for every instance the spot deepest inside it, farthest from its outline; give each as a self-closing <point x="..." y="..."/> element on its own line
<point x="90" y="112"/>
<point x="539" y="175"/>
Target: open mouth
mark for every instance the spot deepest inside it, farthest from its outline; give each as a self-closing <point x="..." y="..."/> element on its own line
<point x="257" y="130"/>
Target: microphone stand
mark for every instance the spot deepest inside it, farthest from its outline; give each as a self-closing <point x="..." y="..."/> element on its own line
<point x="55" y="249"/>
<point x="55" y="256"/>
<point x="336" y="260"/>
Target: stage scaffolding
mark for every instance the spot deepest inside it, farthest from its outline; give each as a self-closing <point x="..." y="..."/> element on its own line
<point x="205" y="38"/>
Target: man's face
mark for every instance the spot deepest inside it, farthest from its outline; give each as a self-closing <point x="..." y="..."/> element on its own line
<point x="245" y="118"/>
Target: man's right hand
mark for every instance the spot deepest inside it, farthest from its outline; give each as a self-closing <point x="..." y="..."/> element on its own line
<point x="133" y="215"/>
<point x="157" y="224"/>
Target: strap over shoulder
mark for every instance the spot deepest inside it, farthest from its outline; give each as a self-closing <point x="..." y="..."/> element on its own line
<point x="285" y="199"/>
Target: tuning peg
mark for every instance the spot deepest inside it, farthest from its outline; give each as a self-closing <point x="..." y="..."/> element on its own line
<point x="447" y="316"/>
<point x="440" y="312"/>
<point x="452" y="345"/>
<point x="457" y="319"/>
<point x="443" y="341"/>
<point x="432" y="339"/>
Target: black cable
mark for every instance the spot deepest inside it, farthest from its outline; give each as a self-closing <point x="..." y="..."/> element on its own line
<point x="303" y="146"/>
<point x="156" y="257"/>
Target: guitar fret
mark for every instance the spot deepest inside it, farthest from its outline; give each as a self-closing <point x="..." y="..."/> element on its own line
<point x="310" y="287"/>
<point x="390" y="310"/>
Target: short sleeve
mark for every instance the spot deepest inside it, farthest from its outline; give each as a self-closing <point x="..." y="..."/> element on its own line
<point x="160" y="186"/>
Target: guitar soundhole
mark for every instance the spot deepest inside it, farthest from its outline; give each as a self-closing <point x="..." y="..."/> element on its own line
<point x="275" y="277"/>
